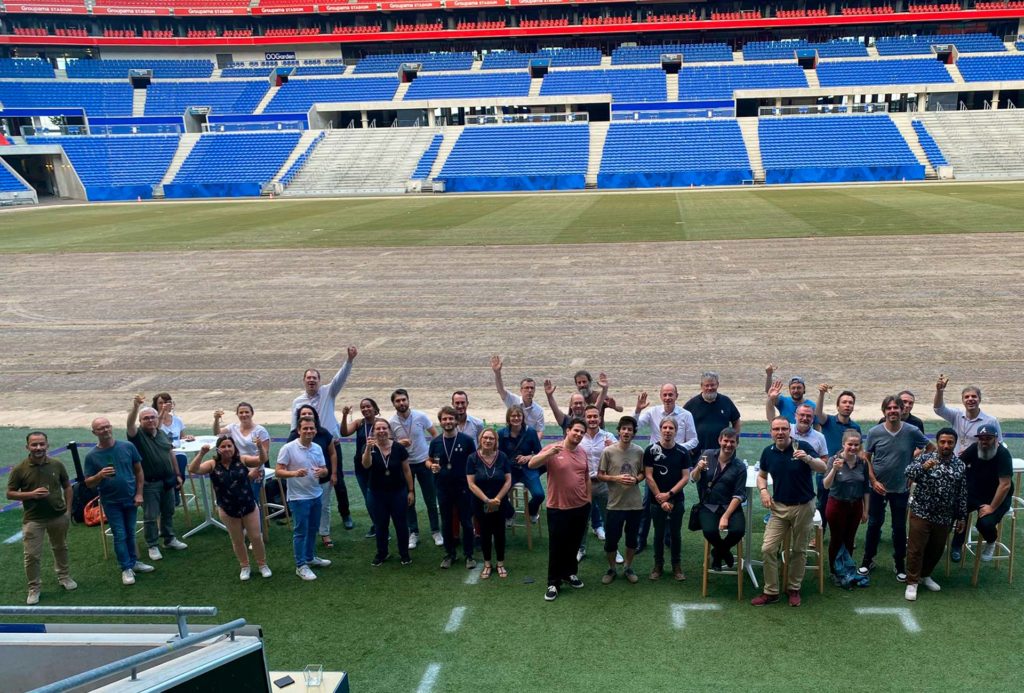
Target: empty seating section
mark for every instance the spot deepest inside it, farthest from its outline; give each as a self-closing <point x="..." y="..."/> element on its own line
<point x="97" y="98"/>
<point x="118" y="167"/>
<point x="992" y="68"/>
<point x="1019" y="45"/>
<point x="311" y="70"/>
<point x="928" y="144"/>
<point x="691" y="52"/>
<point x="222" y="96"/>
<point x="527" y="157"/>
<point x="785" y="50"/>
<point x="471" y="85"/>
<point x="246" y="71"/>
<point x="922" y="45"/>
<point x="162" y="69"/>
<point x="296" y="71"/>
<point x="8" y="183"/>
<point x="833" y="149"/>
<point x="980" y="145"/>
<point x="429" y="62"/>
<point x="298" y="95"/>
<point x="645" y="84"/>
<point x="232" y="164"/>
<point x="559" y="57"/>
<point x="842" y="74"/>
<point x="674" y="154"/>
<point x="720" y="81"/>
<point x="24" y="68"/>
<point x="426" y="163"/>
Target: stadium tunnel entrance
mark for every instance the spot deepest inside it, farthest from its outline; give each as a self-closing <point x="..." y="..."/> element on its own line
<point x="49" y="174"/>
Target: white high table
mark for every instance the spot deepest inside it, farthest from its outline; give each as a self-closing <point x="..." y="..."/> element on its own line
<point x="190" y="448"/>
<point x="749" y="562"/>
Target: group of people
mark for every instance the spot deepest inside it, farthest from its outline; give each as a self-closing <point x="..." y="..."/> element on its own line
<point x="465" y="470"/>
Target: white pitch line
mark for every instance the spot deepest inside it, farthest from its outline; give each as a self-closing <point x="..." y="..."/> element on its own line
<point x="13" y="539"/>
<point x="455" y="620"/>
<point x="678" y="612"/>
<point x="910" y="623"/>
<point x="473" y="577"/>
<point x="429" y="678"/>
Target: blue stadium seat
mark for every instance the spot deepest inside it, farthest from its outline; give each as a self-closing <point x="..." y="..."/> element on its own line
<point x="469" y="85"/>
<point x="232" y="164"/>
<point x="928" y="144"/>
<point x="922" y="45"/>
<point x="720" y="81"/>
<point x="992" y="68"/>
<point x="642" y="84"/>
<point x="223" y="96"/>
<point x="691" y="52"/>
<point x="25" y="68"/>
<point x="785" y="50"/>
<point x="309" y="70"/>
<point x="674" y="154"/>
<point x="518" y="157"/>
<point x="899" y="71"/>
<point x="298" y="95"/>
<point x="558" y="57"/>
<point x="162" y="69"/>
<point x="8" y="183"/>
<point x="429" y="62"/>
<point x="229" y="72"/>
<point x="830" y="149"/>
<point x="97" y="98"/>
<point x="426" y="162"/>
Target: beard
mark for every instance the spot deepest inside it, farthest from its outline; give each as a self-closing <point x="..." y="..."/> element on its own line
<point x="986" y="454"/>
<point x="709" y="397"/>
<point x="586" y="391"/>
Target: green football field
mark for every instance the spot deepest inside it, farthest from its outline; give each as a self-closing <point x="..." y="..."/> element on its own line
<point x="393" y="628"/>
<point x="519" y="219"/>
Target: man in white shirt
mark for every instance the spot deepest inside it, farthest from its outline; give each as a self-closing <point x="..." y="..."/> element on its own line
<point x="413" y="430"/>
<point x="527" y="389"/>
<point x="968" y="420"/>
<point x="595" y="440"/>
<point x="465" y="422"/>
<point x="302" y="463"/>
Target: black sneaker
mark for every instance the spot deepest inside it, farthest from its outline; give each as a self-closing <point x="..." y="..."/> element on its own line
<point x="407" y="560"/>
<point x="551" y="594"/>
<point x="729" y="559"/>
<point x="716" y="565"/>
<point x="378" y="561"/>
<point x="575" y="581"/>
<point x="901" y="573"/>
<point x="955" y="555"/>
<point x="865" y="569"/>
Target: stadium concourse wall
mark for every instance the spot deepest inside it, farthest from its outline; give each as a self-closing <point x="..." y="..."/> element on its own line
<point x="514" y="183"/>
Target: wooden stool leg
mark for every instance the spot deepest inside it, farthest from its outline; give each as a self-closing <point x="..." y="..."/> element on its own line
<point x="999" y="537"/>
<point x="526" y="517"/>
<point x="704" y="570"/>
<point x="977" y="557"/>
<point x="264" y="513"/>
<point x="1013" y="541"/>
<point x="739" y="571"/>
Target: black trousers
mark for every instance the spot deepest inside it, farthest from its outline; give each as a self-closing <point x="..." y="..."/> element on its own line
<point x="492" y="533"/>
<point x="565" y="532"/>
<point x="340" y="491"/>
<point x="453" y="498"/>
<point x="720" y="545"/>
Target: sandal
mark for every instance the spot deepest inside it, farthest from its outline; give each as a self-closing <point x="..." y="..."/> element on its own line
<point x="485" y="573"/>
<point x="328" y="542"/>
<point x="502" y="571"/>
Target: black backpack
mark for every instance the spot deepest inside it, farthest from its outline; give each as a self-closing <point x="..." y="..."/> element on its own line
<point x="80" y="493"/>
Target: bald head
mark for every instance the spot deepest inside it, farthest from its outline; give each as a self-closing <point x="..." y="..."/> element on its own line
<point x="669" y="395"/>
<point x="103" y="431"/>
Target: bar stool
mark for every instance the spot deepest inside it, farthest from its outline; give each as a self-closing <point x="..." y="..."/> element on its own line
<point x="737" y="570"/>
<point x="519" y="497"/>
<point x="818" y="552"/>
<point x="974" y="545"/>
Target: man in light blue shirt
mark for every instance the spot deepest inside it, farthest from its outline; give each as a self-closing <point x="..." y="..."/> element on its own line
<point x="413" y="430"/>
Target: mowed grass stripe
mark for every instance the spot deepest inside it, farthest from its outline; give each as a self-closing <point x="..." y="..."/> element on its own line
<point x="518" y="219"/>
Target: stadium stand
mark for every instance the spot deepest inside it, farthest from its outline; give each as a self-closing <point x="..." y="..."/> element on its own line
<point x="222" y="96"/>
<point x="641" y="84"/>
<point x="719" y="81"/>
<point x="922" y="45"/>
<point x="162" y="69"/>
<point x="559" y="57"/>
<point x="97" y="98"/>
<point x="8" y="183"/>
<point x="298" y="95"/>
<point x="241" y="72"/>
<point x="674" y="154"/>
<point x="452" y="86"/>
<point x="833" y="149"/>
<point x="899" y="71"/>
<point x="429" y="62"/>
<point x="931" y="149"/>
<point x="117" y="167"/>
<point x="426" y="162"/>
<point x="785" y="50"/>
<point x="300" y="162"/>
<point x="232" y="165"/>
<point x="25" y="68"/>
<point x="980" y="145"/>
<point x="691" y="52"/>
<point x="314" y="70"/>
<point x="992" y="68"/>
<point x="528" y="157"/>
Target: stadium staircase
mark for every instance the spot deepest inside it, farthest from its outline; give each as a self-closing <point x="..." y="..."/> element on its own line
<point x="354" y="161"/>
<point x="979" y="145"/>
<point x="812" y="78"/>
<point x="139" y="102"/>
<point x="606" y="61"/>
<point x="904" y="123"/>
<point x="185" y="145"/>
<point x="872" y="52"/>
<point x="216" y="74"/>
<point x="954" y="72"/>
<point x="451" y="136"/>
<point x="748" y="128"/>
<point x="60" y="74"/>
<point x="671" y="87"/>
<point x="271" y="93"/>
<point x="307" y="139"/>
<point x="477" y="64"/>
<point x="535" y="85"/>
<point x="598" y="134"/>
<point x="737" y="56"/>
<point x="400" y="93"/>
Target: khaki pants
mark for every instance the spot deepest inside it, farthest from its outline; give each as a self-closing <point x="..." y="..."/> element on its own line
<point x="785" y="519"/>
<point x="33" y="533"/>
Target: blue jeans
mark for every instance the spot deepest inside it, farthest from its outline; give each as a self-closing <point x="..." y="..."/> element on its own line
<point x="530" y="478"/>
<point x="305" y="523"/>
<point x="428" y="493"/>
<point x="363" y="479"/>
<point x="121" y="518"/>
<point x="390" y="506"/>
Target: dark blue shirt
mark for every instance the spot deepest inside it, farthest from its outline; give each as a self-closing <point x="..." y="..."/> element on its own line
<point x="120" y="488"/>
<point x="451" y="454"/>
<point x="833" y="430"/>
<point x="710" y="418"/>
<point x="488" y="479"/>
<point x="717" y="487"/>
<point x="526" y="443"/>
<point x="793" y="480"/>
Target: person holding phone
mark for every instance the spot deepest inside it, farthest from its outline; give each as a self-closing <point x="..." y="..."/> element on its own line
<point x="302" y="462"/>
<point x="391" y="485"/>
<point x="489" y="477"/>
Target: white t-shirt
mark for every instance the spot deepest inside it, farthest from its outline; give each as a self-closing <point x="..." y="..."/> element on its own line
<point x="813" y="438"/>
<point x="415" y="428"/>
<point x="294" y="456"/>
<point x="174" y="430"/>
<point x="246" y="444"/>
<point x="534" y="413"/>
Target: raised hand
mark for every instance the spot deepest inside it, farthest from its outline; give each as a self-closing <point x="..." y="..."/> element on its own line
<point x="205" y="449"/>
<point x="549" y="387"/>
<point x="769" y="370"/>
<point x="641" y="401"/>
<point x="138" y="400"/>
<point x="824" y="388"/>
<point x="602" y="380"/>
<point x="352" y="353"/>
<point x="496" y="363"/>
<point x="941" y="383"/>
<point x="775" y="390"/>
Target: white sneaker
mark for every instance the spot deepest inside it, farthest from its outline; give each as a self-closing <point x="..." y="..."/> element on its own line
<point x="988" y="551"/>
<point x="911" y="593"/>
<point x="619" y="559"/>
<point x="509" y="522"/>
<point x="68" y="584"/>
<point x="245" y="574"/>
<point x="535" y="519"/>
<point x="599" y="533"/>
<point x="265" y="571"/>
<point x="318" y="562"/>
<point x="930" y="584"/>
<point x="305" y="573"/>
<point x="154" y="553"/>
<point x="176" y="544"/>
<point x="140" y="567"/>
<point x="33" y="597"/>
<point x="580" y="554"/>
<point x="414" y="540"/>
<point x="127" y="577"/>
<point x="438" y="539"/>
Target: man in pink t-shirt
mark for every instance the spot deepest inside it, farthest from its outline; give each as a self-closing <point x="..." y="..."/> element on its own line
<point x="568" y="502"/>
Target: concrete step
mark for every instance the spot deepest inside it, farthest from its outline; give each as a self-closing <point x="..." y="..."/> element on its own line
<point x="954" y="72"/>
<point x="139" y="102"/>
<point x="451" y="135"/>
<point x="307" y="139"/>
<point x="812" y="78"/>
<point x="748" y="128"/>
<point x="535" y="85"/>
<point x="672" y="87"/>
<point x="266" y="99"/>
<point x="905" y="125"/>
<point x="185" y="145"/>
<point x="401" y="91"/>
<point x="598" y="134"/>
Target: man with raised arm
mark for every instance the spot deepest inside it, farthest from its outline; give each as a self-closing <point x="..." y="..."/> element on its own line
<point x="786" y="405"/>
<point x="968" y="420"/>
<point x="527" y="389"/>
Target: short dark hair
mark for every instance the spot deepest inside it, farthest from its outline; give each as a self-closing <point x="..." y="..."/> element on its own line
<point x="847" y="393"/>
<point x="37" y="433"/>
<point x="447" y="410"/>
<point x="373" y="404"/>
<point x="159" y="396"/>
<point x="907" y="392"/>
<point x="576" y="421"/>
<point x="946" y="431"/>
<point x="729" y="432"/>
<point x="889" y="399"/>
<point x="627" y="421"/>
<point x="584" y="374"/>
<point x="315" y="416"/>
<point x="515" y="407"/>
<point x="592" y="406"/>
<point x="310" y="370"/>
<point x="244" y="404"/>
<point x="399" y="392"/>
<point x="460" y="392"/>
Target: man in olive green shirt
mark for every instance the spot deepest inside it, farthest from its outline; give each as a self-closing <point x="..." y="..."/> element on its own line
<point x="41" y="484"/>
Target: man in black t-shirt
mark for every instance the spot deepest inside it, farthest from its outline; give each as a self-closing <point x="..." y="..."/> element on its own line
<point x="712" y="412"/>
<point x="447" y="459"/>
<point x="989" y="487"/>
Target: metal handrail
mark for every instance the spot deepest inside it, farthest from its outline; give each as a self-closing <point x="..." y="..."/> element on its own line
<point x="133" y="662"/>
<point x="179" y="612"/>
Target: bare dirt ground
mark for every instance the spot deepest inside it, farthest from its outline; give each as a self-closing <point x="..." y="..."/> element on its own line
<point x="82" y="332"/>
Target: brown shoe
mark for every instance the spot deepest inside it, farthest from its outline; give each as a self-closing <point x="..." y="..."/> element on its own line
<point x="762" y="599"/>
<point x="678" y="574"/>
<point x="794" y="597"/>
<point x="656" y="573"/>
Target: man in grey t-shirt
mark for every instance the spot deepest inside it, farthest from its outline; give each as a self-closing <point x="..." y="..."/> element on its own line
<point x="622" y="468"/>
<point x="890" y="447"/>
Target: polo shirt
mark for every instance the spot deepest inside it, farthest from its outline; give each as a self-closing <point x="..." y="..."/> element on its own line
<point x="793" y="480"/>
<point x="49" y="473"/>
<point x="966" y="429"/>
<point x="833" y="430"/>
<point x="156" y="454"/>
<point x="787" y="407"/>
<point x="850" y="484"/>
<point x="415" y="427"/>
<point x="451" y="454"/>
<point x="534" y="413"/>
<point x="983" y="475"/>
<point x="568" y="472"/>
<point x="323" y="440"/>
<point x="294" y="456"/>
<point x="120" y="488"/>
<point x="686" y="431"/>
<point x="710" y="418"/>
<point x="892" y="452"/>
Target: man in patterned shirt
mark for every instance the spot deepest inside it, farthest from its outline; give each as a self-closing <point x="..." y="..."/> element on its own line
<point x="940" y="500"/>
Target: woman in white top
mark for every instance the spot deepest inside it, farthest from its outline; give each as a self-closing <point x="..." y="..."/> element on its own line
<point x="248" y="435"/>
<point x="168" y="421"/>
